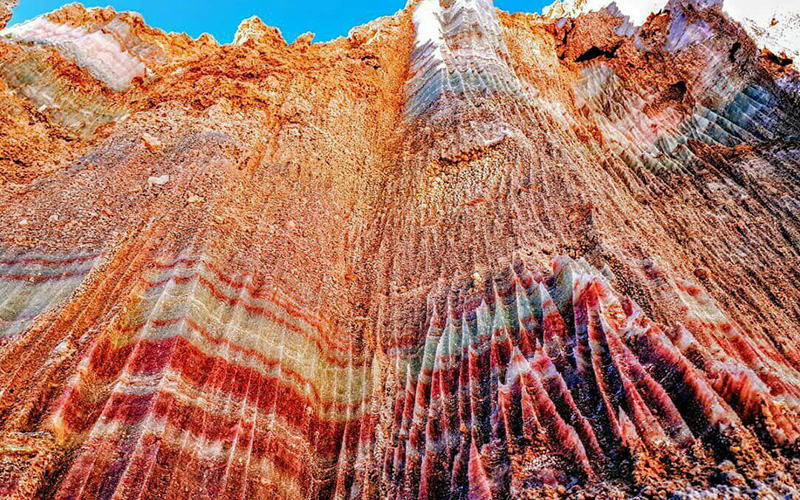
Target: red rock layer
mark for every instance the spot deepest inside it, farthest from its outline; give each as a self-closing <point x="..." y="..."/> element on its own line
<point x="263" y="270"/>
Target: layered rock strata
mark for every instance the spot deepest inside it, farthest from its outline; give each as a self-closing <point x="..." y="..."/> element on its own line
<point x="456" y="254"/>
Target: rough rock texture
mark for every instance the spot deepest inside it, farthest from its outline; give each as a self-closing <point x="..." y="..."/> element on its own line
<point x="6" y="7"/>
<point x="777" y="31"/>
<point x="457" y="254"/>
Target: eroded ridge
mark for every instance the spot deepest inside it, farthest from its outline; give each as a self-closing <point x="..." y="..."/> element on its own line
<point x="202" y="378"/>
<point x="459" y="62"/>
<point x="530" y="378"/>
<point x="457" y="254"/>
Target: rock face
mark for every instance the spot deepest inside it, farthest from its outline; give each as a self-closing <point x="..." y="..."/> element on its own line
<point x="458" y="254"/>
<point x="6" y="7"/>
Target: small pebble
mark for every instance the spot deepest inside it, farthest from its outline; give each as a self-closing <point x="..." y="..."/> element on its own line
<point x="152" y="143"/>
<point x="158" y="180"/>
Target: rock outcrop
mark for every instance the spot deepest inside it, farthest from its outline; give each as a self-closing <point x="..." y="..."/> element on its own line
<point x="457" y="254"/>
<point x="6" y="8"/>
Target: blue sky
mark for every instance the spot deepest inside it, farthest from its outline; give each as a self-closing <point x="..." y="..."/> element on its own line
<point x="328" y="19"/>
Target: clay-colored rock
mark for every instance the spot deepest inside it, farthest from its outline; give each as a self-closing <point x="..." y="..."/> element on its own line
<point x="458" y="254"/>
<point x="152" y="143"/>
<point x="254" y="32"/>
<point x="6" y="10"/>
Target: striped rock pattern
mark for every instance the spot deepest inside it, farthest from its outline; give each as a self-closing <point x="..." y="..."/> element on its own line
<point x="534" y="378"/>
<point x="730" y="108"/>
<point x="459" y="254"/>
<point x="459" y="58"/>
<point x="199" y="368"/>
<point x="213" y="376"/>
<point x="459" y="53"/>
<point x="104" y="57"/>
<point x="32" y="77"/>
<point x="33" y="283"/>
